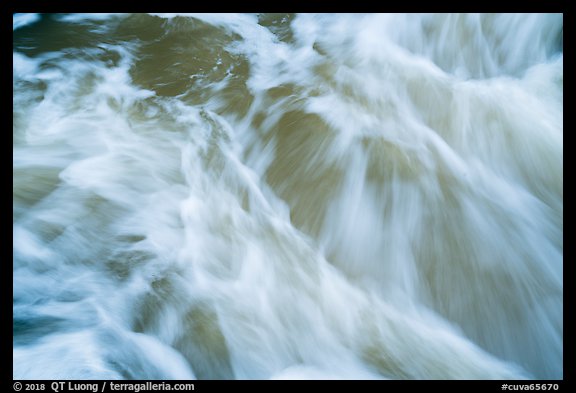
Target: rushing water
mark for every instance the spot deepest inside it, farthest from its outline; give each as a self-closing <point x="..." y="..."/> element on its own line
<point x="288" y="196"/>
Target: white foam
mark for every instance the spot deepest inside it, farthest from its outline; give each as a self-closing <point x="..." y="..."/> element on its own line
<point x="384" y="208"/>
<point x="21" y="20"/>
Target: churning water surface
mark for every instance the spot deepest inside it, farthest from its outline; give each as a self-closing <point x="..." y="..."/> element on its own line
<point x="279" y="196"/>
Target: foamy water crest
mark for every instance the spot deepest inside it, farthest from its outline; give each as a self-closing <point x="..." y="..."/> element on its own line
<point x="288" y="196"/>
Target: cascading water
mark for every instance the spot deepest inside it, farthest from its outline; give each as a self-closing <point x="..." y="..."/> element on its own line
<point x="280" y="196"/>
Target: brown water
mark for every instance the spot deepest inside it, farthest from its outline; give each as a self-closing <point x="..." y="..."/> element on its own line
<point x="280" y="196"/>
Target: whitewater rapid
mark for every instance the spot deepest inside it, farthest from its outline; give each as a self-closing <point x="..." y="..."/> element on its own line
<point x="279" y="196"/>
